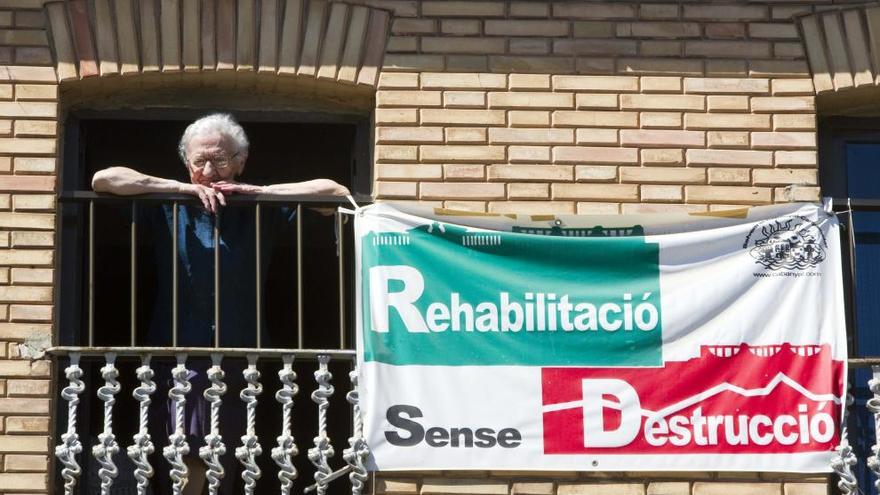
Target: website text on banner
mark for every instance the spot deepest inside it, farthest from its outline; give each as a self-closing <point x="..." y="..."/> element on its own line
<point x="674" y="342"/>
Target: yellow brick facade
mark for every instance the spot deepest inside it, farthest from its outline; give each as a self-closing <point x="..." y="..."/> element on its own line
<point x="594" y="143"/>
<point x="493" y="106"/>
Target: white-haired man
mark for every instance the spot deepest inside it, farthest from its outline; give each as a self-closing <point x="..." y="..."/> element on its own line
<point x="214" y="150"/>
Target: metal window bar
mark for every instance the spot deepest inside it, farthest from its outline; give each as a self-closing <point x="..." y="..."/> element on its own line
<point x="218" y="220"/>
<point x="340" y="256"/>
<point x="299" y="282"/>
<point x="133" y="271"/>
<point x="174" y="273"/>
<point x="258" y="271"/>
<point x="92" y="198"/>
<point x="91" y="309"/>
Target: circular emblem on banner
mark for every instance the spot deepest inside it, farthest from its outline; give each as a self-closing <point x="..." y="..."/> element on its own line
<point x="795" y="243"/>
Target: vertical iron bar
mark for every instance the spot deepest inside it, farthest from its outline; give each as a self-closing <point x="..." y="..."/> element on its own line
<point x="286" y="449"/>
<point x="250" y="448"/>
<point x="217" y="279"/>
<point x="143" y="446"/>
<point x="107" y="447"/>
<point x="214" y="446"/>
<point x="177" y="446"/>
<point x="299" y="278"/>
<point x="133" y="271"/>
<point x="340" y="254"/>
<point x="323" y="449"/>
<point x="358" y="450"/>
<point x="259" y="276"/>
<point x="174" y="262"/>
<point x="70" y="445"/>
<point x="91" y="322"/>
<point x="851" y="234"/>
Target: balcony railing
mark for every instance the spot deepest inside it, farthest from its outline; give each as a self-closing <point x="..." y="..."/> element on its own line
<point x="110" y="372"/>
<point x="105" y="375"/>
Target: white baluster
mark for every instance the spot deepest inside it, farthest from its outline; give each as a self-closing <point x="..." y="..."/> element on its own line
<point x="177" y="446"/>
<point x="286" y="449"/>
<point x="873" y="405"/>
<point x="354" y="455"/>
<point x="70" y="445"/>
<point x="322" y="451"/>
<point x="107" y="446"/>
<point x="845" y="459"/>
<point x="250" y="448"/>
<point x="214" y="446"/>
<point x="143" y="445"/>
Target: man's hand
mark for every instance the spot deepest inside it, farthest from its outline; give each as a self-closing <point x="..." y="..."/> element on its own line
<point x="227" y="187"/>
<point x="210" y="197"/>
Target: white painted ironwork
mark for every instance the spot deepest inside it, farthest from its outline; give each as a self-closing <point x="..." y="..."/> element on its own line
<point x="70" y="445"/>
<point x="358" y="450"/>
<point x="320" y="454"/>
<point x="178" y="449"/>
<point x="143" y="445"/>
<point x="107" y="446"/>
<point x="845" y="459"/>
<point x="177" y="446"/>
<point x="250" y="448"/>
<point x="873" y="405"/>
<point x="285" y="451"/>
<point x="214" y="447"/>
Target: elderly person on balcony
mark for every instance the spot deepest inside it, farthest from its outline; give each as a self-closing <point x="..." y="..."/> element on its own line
<point x="214" y="150"/>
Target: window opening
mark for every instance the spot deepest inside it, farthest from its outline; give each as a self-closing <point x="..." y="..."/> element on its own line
<point x="288" y="149"/>
<point x="849" y="155"/>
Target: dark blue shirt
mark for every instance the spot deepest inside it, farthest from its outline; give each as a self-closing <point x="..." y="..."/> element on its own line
<point x="195" y="284"/>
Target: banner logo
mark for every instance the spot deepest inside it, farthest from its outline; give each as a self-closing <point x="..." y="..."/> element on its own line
<point x="795" y="243"/>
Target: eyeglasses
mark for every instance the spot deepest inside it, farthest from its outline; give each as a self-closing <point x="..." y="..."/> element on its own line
<point x="218" y="161"/>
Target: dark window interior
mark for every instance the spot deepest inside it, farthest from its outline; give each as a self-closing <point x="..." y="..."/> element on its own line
<point x="850" y="168"/>
<point x="862" y="170"/>
<point x="849" y="157"/>
<point x="281" y="151"/>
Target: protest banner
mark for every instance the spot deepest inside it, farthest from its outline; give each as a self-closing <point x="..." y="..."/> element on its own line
<point x="660" y="343"/>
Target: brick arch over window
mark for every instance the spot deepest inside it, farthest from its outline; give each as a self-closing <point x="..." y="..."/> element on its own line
<point x="310" y="38"/>
<point x="843" y="48"/>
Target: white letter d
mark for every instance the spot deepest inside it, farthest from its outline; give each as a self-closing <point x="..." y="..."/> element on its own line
<point x="595" y="434"/>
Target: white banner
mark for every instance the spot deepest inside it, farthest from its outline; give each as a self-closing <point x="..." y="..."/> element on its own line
<point x="618" y="343"/>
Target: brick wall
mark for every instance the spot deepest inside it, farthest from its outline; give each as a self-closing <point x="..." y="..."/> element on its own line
<point x="592" y="143"/>
<point x="596" y="107"/>
<point x="572" y="484"/>
<point x="530" y="106"/>
<point x="28" y="144"/>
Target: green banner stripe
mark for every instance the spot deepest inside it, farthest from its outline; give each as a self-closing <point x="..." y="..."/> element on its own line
<point x="445" y="295"/>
